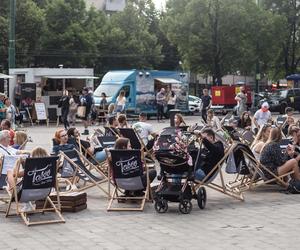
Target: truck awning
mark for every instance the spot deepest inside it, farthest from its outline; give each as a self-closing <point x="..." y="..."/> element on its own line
<point x="3" y="76"/>
<point x="71" y="77"/>
<point x="168" y="80"/>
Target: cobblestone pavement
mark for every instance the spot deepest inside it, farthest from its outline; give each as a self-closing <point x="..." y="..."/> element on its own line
<point x="268" y="219"/>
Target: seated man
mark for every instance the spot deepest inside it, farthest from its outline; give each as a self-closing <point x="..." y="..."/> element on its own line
<point x="113" y="125"/>
<point x="144" y="130"/>
<point x="213" y="153"/>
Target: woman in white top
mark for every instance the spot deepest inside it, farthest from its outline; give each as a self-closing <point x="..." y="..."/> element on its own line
<point x="171" y="100"/>
<point x="120" y="102"/>
<point x="212" y="120"/>
<point x="260" y="140"/>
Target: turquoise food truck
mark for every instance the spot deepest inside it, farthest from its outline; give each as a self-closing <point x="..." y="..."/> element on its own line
<point x="141" y="87"/>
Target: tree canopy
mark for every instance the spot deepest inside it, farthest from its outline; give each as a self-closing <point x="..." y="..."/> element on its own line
<point x="211" y="37"/>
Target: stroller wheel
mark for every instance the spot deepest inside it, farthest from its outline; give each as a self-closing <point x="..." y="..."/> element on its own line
<point x="161" y="206"/>
<point x="185" y="206"/>
<point x="201" y="197"/>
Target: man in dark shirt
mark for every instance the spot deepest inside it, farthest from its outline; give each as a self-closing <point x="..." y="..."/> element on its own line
<point x="210" y="156"/>
<point x="206" y="103"/>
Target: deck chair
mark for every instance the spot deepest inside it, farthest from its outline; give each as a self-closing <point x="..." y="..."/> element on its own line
<point x="107" y="141"/>
<point x="103" y="167"/>
<point x="257" y="176"/>
<point x="247" y="137"/>
<point x="38" y="182"/>
<point x="281" y="120"/>
<point x="76" y="165"/>
<point x="136" y="141"/>
<point x="127" y="171"/>
<point x="209" y="180"/>
<point x="109" y="131"/>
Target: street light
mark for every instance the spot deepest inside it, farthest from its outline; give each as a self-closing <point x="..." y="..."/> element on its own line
<point x="12" y="35"/>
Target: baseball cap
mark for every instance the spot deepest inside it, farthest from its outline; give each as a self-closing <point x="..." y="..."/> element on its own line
<point x="265" y="105"/>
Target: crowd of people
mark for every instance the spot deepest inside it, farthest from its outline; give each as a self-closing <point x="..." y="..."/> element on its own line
<point x="266" y="146"/>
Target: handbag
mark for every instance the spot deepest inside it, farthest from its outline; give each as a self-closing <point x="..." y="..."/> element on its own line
<point x="81" y="110"/>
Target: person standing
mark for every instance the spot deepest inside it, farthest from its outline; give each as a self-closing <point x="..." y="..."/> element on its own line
<point x="17" y="92"/>
<point x="120" y="102"/>
<point x="72" y="110"/>
<point x="171" y="100"/>
<point x="2" y="107"/>
<point x="10" y="112"/>
<point x="86" y="100"/>
<point x="64" y="105"/>
<point x="206" y="103"/>
<point x="241" y="99"/>
<point x="262" y="116"/>
<point x="160" y="102"/>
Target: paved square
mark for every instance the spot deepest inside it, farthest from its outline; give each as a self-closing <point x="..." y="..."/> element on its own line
<point x="268" y="219"/>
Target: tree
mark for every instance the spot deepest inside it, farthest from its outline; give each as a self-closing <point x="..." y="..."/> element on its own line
<point x="29" y="27"/>
<point x="127" y="42"/>
<point x="66" y="40"/>
<point x="219" y="37"/>
<point x="289" y="57"/>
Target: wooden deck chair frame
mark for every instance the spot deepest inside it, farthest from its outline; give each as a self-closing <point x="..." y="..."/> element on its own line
<point x="143" y="146"/>
<point x="117" y="191"/>
<point x="222" y="188"/>
<point x="102" y="166"/>
<point x="4" y="197"/>
<point x="89" y="166"/>
<point x="113" y="132"/>
<point x="257" y="177"/>
<point x="26" y="215"/>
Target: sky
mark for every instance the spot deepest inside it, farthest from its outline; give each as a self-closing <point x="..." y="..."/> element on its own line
<point x="159" y="3"/>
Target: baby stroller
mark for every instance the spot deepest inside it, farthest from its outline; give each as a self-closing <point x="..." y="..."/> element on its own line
<point x="176" y="179"/>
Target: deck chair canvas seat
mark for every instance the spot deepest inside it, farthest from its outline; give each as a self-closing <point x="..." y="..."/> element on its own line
<point x="209" y="180"/>
<point x="107" y="141"/>
<point x="75" y="164"/>
<point x="38" y="182"/>
<point x="135" y="141"/>
<point x="259" y="174"/>
<point x="127" y="167"/>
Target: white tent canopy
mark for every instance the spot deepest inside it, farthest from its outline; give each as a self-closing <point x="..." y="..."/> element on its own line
<point x="3" y="76"/>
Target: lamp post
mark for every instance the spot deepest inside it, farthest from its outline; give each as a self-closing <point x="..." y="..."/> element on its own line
<point x="12" y="35"/>
<point x="257" y="68"/>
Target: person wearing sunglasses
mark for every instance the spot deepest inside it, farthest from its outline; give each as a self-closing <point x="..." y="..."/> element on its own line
<point x="61" y="142"/>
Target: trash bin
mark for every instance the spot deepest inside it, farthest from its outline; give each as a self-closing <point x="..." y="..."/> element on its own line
<point x="172" y="114"/>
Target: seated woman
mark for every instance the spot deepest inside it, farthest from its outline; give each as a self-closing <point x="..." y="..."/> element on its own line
<point x="85" y="146"/>
<point x="260" y="140"/>
<point x="122" y="120"/>
<point x="212" y="120"/>
<point x="61" y="139"/>
<point x="245" y="121"/>
<point x="277" y="161"/>
<point x="36" y="152"/>
<point x="124" y="143"/>
<point x="20" y="139"/>
<point x="178" y="120"/>
<point x="213" y="153"/>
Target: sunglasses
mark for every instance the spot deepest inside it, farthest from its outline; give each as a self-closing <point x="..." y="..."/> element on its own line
<point x="64" y="135"/>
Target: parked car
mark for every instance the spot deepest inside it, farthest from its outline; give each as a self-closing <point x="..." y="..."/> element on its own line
<point x="195" y="104"/>
<point x="281" y="99"/>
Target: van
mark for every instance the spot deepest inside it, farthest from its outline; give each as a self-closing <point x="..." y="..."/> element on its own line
<point x="141" y="87"/>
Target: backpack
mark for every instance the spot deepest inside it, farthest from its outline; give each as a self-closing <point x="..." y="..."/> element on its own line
<point x="294" y="186"/>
